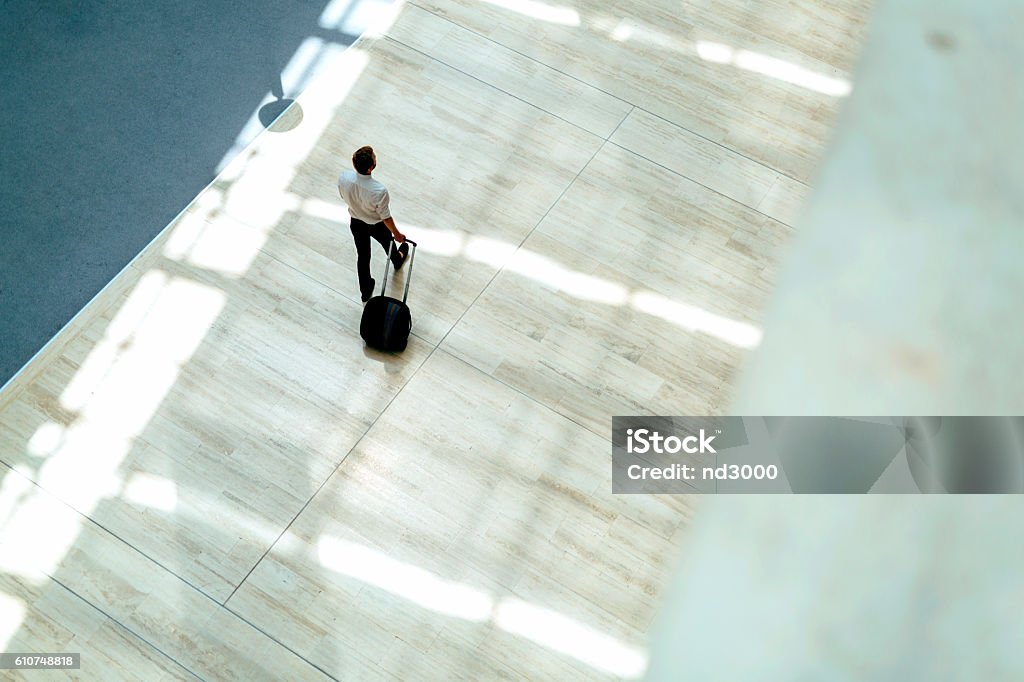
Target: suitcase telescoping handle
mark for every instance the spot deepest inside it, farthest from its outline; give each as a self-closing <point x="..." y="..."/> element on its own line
<point x="408" y="273"/>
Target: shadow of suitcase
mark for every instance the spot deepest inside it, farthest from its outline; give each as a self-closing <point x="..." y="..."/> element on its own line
<point x="386" y="321"/>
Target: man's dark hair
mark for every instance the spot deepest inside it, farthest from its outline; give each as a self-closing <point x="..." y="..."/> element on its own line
<point x="362" y="160"/>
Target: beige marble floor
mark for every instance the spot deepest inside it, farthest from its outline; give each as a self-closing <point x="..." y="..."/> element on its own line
<point x="206" y="474"/>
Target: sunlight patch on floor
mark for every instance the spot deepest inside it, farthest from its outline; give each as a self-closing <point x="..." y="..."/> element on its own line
<point x="540" y="625"/>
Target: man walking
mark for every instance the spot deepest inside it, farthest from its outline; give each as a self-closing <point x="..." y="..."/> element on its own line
<point x="368" y="204"/>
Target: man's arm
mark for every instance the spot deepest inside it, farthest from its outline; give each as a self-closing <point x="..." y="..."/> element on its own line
<point x="390" y="224"/>
<point x="384" y="208"/>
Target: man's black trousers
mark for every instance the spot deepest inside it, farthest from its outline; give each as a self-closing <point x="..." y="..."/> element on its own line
<point x="361" y="233"/>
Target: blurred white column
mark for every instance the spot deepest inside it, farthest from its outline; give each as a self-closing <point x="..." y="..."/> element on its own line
<point x="902" y="294"/>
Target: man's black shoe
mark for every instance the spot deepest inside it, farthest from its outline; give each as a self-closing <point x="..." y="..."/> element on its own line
<point x="368" y="295"/>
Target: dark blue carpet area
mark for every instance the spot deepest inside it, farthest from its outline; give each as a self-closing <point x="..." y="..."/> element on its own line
<point x="115" y="115"/>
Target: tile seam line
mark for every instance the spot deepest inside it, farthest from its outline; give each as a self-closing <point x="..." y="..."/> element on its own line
<point x="520" y="245"/>
<point x="601" y="90"/>
<point x="546" y="408"/>
<point x="112" y="534"/>
<point x="127" y="629"/>
<point x="521" y="54"/>
<point x="491" y="85"/>
<point x="521" y="392"/>
<point x="326" y="481"/>
<point x="725" y="147"/>
<point x="588" y="493"/>
<point x="697" y="182"/>
<point x="527" y="236"/>
<point x="189" y="585"/>
<point x="324" y="285"/>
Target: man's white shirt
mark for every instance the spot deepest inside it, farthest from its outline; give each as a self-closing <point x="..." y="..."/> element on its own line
<point x="367" y="199"/>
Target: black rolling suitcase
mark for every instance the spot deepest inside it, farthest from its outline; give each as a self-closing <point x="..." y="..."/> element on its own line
<point x="387" y="321"/>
